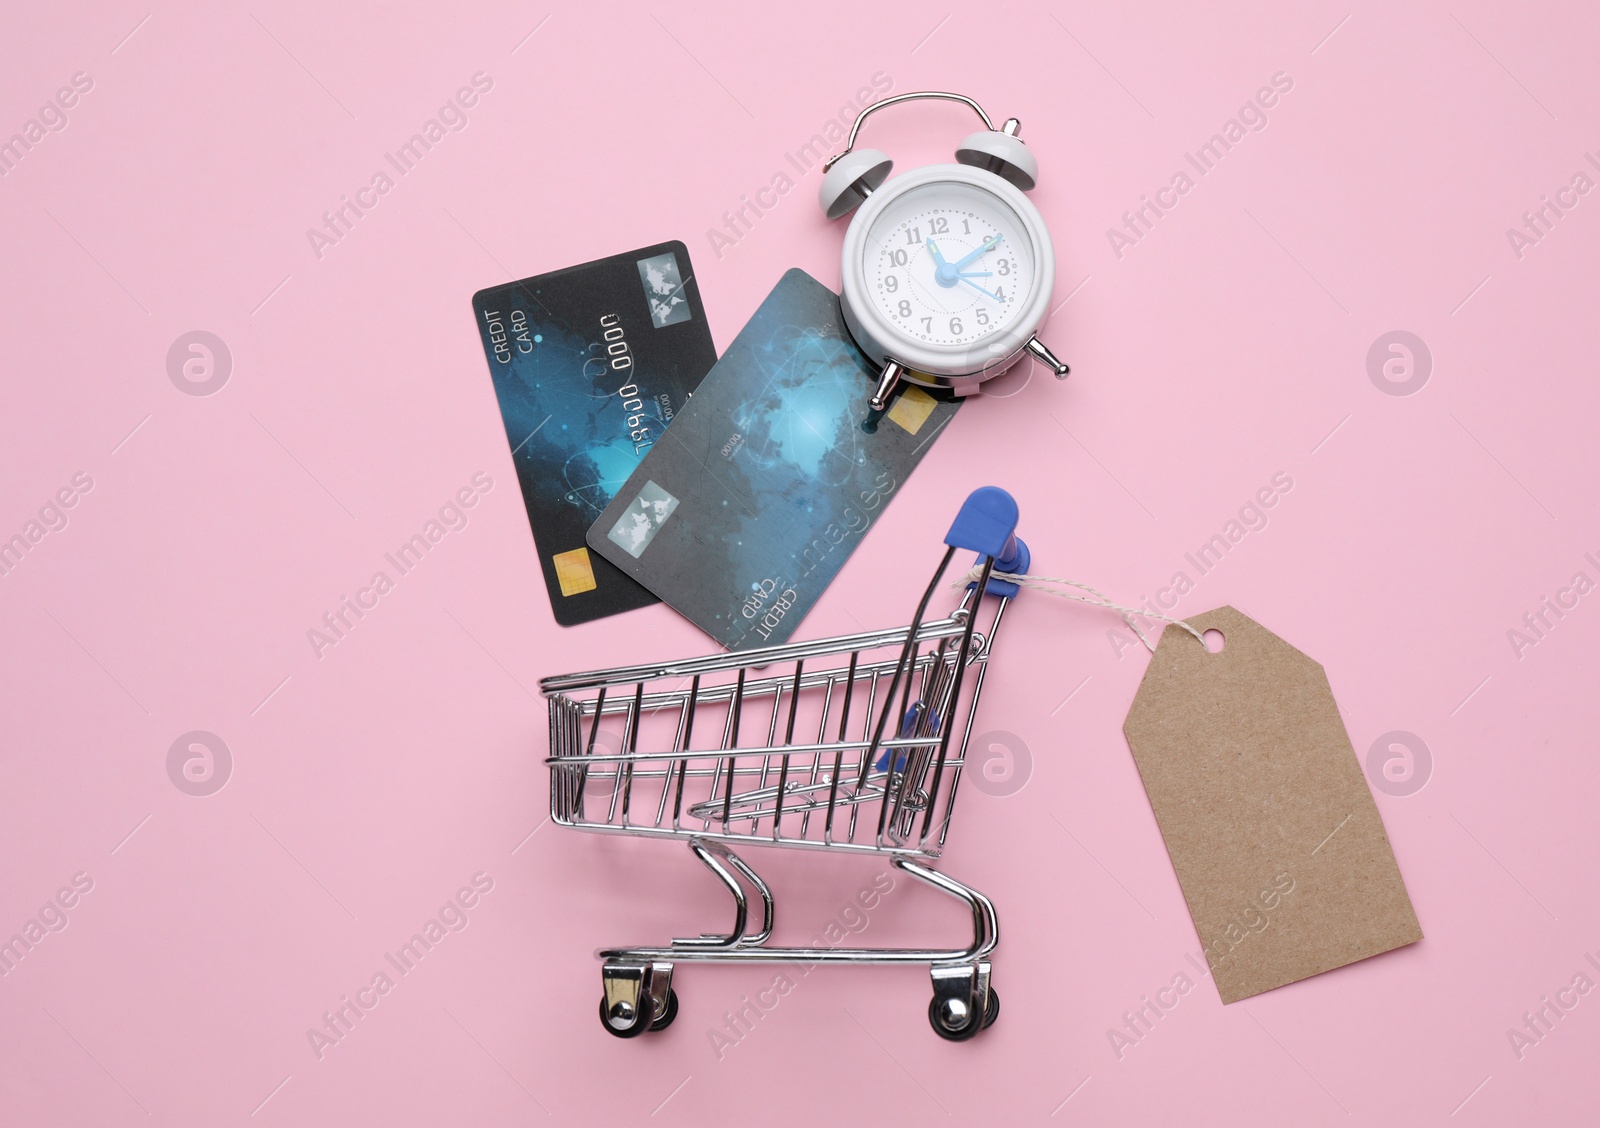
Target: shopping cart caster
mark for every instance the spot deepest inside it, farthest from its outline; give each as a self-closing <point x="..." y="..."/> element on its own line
<point x="637" y="998"/>
<point x="947" y="1024"/>
<point x="953" y="1012"/>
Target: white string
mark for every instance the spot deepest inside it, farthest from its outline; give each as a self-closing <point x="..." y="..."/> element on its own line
<point x="1042" y="583"/>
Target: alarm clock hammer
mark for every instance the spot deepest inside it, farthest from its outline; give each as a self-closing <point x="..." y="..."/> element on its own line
<point x="947" y="270"/>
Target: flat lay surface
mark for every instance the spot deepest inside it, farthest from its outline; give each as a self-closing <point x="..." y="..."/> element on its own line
<point x="1325" y="279"/>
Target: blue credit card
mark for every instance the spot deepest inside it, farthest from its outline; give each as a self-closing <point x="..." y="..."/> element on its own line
<point x="590" y="364"/>
<point x="744" y="511"/>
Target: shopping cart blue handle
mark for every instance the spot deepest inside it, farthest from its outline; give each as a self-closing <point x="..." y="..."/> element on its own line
<point x="987" y="524"/>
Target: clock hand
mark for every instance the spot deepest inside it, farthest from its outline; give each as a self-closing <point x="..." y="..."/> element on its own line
<point x="975" y="274"/>
<point x="979" y="288"/>
<point x="989" y="244"/>
<point x="944" y="274"/>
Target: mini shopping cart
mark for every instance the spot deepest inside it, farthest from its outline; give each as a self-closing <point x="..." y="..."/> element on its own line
<point x="855" y="743"/>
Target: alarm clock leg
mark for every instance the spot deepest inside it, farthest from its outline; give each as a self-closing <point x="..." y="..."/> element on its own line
<point x="1047" y="358"/>
<point x="886" y="382"/>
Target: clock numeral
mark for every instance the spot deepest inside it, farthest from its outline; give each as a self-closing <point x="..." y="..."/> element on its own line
<point x="891" y="283"/>
<point x="955" y="326"/>
<point x="999" y="294"/>
<point x="897" y="257"/>
<point x="1004" y="268"/>
<point x="905" y="309"/>
<point x="939" y="225"/>
<point x="927" y="325"/>
<point x="913" y="236"/>
<point x="983" y="317"/>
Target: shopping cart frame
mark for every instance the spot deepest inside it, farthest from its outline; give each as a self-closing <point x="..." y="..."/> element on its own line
<point x="898" y="776"/>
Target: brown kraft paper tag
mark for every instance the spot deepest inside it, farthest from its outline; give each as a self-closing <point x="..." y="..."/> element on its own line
<point x="1275" y="838"/>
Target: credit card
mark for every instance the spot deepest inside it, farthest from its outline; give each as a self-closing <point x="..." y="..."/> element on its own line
<point x="745" y="510"/>
<point x="590" y="364"/>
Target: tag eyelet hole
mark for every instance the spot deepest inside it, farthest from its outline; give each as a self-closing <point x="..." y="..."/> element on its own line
<point x="1215" y="640"/>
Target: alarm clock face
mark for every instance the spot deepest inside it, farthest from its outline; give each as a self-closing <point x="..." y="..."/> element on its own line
<point x="949" y="263"/>
<point x="947" y="271"/>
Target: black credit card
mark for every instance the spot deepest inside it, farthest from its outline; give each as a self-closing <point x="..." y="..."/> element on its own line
<point x="590" y="364"/>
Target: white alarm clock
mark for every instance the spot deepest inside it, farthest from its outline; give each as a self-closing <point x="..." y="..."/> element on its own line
<point x="947" y="269"/>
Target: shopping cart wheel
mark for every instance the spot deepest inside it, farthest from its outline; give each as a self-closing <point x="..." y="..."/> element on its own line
<point x="622" y="1021"/>
<point x="634" y="1002"/>
<point x="634" y="1028"/>
<point x="668" y="1012"/>
<point x="949" y="1019"/>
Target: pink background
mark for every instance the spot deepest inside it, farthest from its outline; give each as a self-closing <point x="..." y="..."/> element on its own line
<point x="367" y="786"/>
